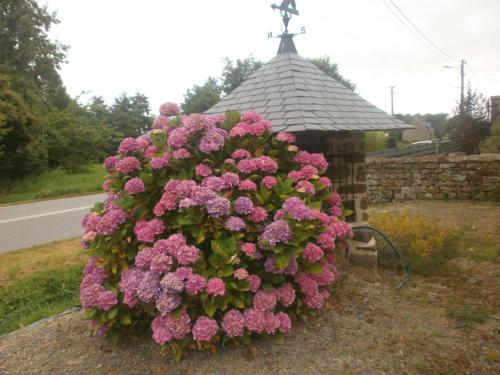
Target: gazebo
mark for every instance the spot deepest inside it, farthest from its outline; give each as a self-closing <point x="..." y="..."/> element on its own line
<point x="325" y="116"/>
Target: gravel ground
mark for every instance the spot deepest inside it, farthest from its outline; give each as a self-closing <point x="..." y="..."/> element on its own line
<point x="368" y="328"/>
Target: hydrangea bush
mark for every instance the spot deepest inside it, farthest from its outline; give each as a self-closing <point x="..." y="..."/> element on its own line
<point x="214" y="230"/>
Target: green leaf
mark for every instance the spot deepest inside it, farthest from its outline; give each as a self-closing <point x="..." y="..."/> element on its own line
<point x="216" y="260"/>
<point x="89" y="313"/>
<point x="283" y="260"/>
<point x="279" y="338"/>
<point x="209" y="306"/>
<point x="125" y="319"/>
<point x="313" y="268"/>
<point x="184" y="220"/>
<point x="238" y="302"/>
<point x="111" y="314"/>
<point x="226" y="271"/>
<point x="232" y="118"/>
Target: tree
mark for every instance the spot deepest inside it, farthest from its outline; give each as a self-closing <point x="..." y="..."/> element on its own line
<point x="234" y="73"/>
<point x="472" y="125"/>
<point x="332" y="69"/>
<point x="21" y="148"/>
<point x="130" y="115"/>
<point x="198" y="99"/>
<point x="27" y="51"/>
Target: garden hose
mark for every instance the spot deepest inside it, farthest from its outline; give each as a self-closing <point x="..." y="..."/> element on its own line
<point x="406" y="265"/>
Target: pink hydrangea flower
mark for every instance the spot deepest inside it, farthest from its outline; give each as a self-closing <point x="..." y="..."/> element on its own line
<point x="127" y="165"/>
<point x="161" y="122"/>
<point x="285" y="322"/>
<point x="251" y="117"/>
<point x="187" y="254"/>
<point x="305" y="187"/>
<point x="203" y="170"/>
<point x="170" y="109"/>
<point x="264" y="301"/>
<point x="160" y="162"/>
<point x="241" y="274"/>
<point x="233" y="323"/>
<point x="325" y="181"/>
<point x="195" y="284"/>
<point x="181" y="153"/>
<point x="128" y="145"/>
<point x="285" y="137"/>
<point x="258" y="215"/>
<point x="254" y="282"/>
<point x="110" y="162"/>
<point x="178" y="138"/>
<point x="146" y="231"/>
<point x="204" y="329"/>
<point x="286" y="294"/>
<point x="247" y="185"/>
<point x="161" y="333"/>
<point x="272" y="323"/>
<point x="215" y="287"/>
<point x="255" y="320"/>
<point x="241" y="154"/>
<point x="313" y="252"/>
<point x="249" y="249"/>
<point x="268" y="182"/>
<point x="134" y="186"/>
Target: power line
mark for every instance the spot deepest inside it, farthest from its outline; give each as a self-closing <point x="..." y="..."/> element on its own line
<point x="477" y="79"/>
<point x="416" y="31"/>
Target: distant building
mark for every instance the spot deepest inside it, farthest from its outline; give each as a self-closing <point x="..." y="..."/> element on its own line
<point x="422" y="132"/>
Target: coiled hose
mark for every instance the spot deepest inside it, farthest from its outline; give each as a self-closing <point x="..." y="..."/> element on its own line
<point x="406" y="266"/>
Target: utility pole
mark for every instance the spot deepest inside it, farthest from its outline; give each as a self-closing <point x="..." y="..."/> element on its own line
<point x="392" y="99"/>
<point x="462" y="83"/>
<point x="462" y="87"/>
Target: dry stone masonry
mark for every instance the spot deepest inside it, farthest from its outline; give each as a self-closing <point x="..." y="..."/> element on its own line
<point x="466" y="177"/>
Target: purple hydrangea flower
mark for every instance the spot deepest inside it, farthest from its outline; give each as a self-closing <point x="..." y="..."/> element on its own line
<point x="171" y="283"/>
<point x="149" y="287"/>
<point x="243" y="205"/>
<point x="212" y="141"/>
<point x="218" y="207"/>
<point x="235" y="224"/>
<point x="167" y="302"/>
<point x="276" y="232"/>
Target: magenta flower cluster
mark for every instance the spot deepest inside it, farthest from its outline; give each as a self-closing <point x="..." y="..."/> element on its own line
<point x="213" y="230"/>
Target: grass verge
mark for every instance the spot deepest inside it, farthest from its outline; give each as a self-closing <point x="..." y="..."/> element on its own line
<point x="39" y="282"/>
<point x="53" y="183"/>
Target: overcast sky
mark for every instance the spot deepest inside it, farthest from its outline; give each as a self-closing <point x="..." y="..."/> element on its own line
<point x="163" y="47"/>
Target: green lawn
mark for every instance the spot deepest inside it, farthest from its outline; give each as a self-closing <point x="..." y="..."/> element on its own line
<point x="39" y="282"/>
<point x="54" y="183"/>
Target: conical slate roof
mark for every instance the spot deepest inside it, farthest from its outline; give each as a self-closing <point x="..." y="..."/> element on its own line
<point x="297" y="96"/>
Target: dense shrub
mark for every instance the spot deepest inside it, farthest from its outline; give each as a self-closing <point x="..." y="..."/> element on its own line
<point x="213" y="230"/>
<point x="424" y="243"/>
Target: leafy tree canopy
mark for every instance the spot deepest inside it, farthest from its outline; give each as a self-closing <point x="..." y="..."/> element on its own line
<point x="198" y="99"/>
<point x="332" y="69"/>
<point x="234" y="73"/>
<point x="130" y="114"/>
<point x="472" y="125"/>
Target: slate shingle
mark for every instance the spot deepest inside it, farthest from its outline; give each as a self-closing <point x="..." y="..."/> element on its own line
<point x="297" y="96"/>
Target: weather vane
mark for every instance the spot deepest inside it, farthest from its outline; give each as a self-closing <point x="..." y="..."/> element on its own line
<point x="287" y="9"/>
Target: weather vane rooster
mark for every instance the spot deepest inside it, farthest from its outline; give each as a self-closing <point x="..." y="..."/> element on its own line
<point x="287" y="9"/>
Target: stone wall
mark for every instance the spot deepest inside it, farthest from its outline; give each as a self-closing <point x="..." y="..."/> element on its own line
<point x="466" y="177"/>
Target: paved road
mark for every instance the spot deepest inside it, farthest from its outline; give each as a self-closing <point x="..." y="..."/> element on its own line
<point x="24" y="225"/>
